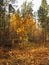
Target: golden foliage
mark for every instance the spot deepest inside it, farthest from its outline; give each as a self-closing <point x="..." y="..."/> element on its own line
<point x="12" y="22"/>
<point x="21" y="25"/>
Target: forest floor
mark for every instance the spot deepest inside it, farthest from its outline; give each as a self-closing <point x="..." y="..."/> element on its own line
<point x="29" y="56"/>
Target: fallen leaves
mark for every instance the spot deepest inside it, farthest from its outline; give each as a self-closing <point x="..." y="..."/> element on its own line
<point x="32" y="56"/>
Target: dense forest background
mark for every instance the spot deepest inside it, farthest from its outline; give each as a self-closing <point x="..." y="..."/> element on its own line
<point x="23" y="27"/>
<point x="24" y="34"/>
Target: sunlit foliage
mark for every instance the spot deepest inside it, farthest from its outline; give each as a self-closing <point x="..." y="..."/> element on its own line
<point x="21" y="26"/>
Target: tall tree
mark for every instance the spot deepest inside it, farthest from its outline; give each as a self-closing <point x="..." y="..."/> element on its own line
<point x="2" y="12"/>
<point x="42" y="15"/>
<point x="4" y="22"/>
<point x="26" y="8"/>
<point x="44" y="4"/>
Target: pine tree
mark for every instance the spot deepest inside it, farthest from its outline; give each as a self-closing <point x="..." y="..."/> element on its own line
<point x="44" y="4"/>
<point x="42" y="15"/>
<point x="2" y="12"/>
<point x="26" y="8"/>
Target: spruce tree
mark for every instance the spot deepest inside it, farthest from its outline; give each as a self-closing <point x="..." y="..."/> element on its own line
<point x="42" y="16"/>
